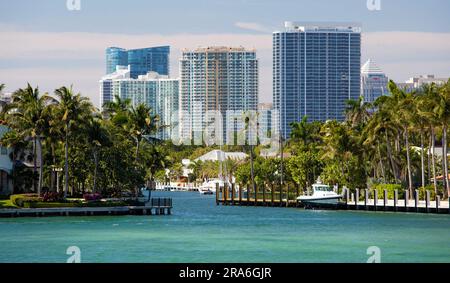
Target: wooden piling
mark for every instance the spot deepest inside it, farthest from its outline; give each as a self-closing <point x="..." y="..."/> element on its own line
<point x="385" y="198"/>
<point x="406" y="200"/>
<point x="395" y="199"/>
<point x="356" y="198"/>
<point x="225" y="193"/>
<point x="416" y="200"/>
<point x="240" y="194"/>
<point x="427" y="200"/>
<point x="264" y="195"/>
<point x="233" y="186"/>
<point x="256" y="195"/>
<point x="375" y="199"/>
<point x="287" y="196"/>
<point x="438" y="203"/>
<point x="281" y="195"/>
<point x="248" y="195"/>
<point x="366" y="198"/>
<point x="217" y="193"/>
<point x="272" y="193"/>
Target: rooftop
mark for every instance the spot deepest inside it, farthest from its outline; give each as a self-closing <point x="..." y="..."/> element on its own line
<point x="370" y="67"/>
<point x="220" y="49"/>
<point x="323" y="26"/>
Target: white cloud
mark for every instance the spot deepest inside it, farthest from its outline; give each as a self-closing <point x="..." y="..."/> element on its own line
<point x="252" y="27"/>
<point x="400" y="54"/>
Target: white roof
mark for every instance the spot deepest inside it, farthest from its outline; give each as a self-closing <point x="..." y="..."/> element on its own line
<point x="370" y="67"/>
<point x="217" y="155"/>
<point x="122" y="72"/>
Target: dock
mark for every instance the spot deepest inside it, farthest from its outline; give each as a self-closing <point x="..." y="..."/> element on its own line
<point x="156" y="206"/>
<point x="367" y="200"/>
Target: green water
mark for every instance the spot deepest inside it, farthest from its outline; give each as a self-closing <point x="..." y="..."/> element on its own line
<point x="200" y="231"/>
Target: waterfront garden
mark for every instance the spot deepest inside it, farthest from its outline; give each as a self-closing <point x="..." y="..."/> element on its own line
<point x="88" y="155"/>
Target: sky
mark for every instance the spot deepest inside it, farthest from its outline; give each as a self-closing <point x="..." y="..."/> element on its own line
<point x="45" y="43"/>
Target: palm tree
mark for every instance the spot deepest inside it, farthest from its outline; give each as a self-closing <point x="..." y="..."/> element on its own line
<point x="432" y="107"/>
<point x="97" y="136"/>
<point x="442" y="109"/>
<point x="141" y="123"/>
<point x="29" y="117"/>
<point x="356" y="112"/>
<point x="73" y="108"/>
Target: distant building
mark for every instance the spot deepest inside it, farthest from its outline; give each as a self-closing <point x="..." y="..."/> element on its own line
<point x="220" y="79"/>
<point x="159" y="92"/>
<point x="416" y="83"/>
<point x="316" y="69"/>
<point x="106" y="91"/>
<point x="373" y="81"/>
<point x="141" y="61"/>
<point x="265" y="118"/>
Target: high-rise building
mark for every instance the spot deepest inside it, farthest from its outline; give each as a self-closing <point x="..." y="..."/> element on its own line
<point x="220" y="79"/>
<point x="106" y="83"/>
<point x="159" y="92"/>
<point x="265" y="118"/>
<point x="373" y="81"/>
<point x="141" y="61"/>
<point x="316" y="69"/>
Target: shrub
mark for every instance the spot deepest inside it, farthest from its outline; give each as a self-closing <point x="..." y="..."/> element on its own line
<point x="92" y="197"/>
<point x="19" y="200"/>
<point x="50" y="204"/>
<point x="422" y="190"/>
<point x="52" y="197"/>
<point x="390" y="190"/>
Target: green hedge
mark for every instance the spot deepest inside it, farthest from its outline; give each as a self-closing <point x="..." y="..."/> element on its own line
<point x="50" y="204"/>
<point x="20" y="200"/>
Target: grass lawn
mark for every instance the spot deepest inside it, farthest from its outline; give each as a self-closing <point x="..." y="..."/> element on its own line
<point x="6" y="204"/>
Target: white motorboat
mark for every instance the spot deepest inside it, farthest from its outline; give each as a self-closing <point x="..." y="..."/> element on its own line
<point x="322" y="194"/>
<point x="205" y="191"/>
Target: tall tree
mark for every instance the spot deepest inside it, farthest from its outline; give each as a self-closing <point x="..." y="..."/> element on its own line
<point x="29" y="117"/>
<point x="73" y="110"/>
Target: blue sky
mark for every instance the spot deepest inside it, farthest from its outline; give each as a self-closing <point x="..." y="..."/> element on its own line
<point x="46" y="44"/>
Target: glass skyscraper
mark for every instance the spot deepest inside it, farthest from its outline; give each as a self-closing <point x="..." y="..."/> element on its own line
<point x="316" y="69"/>
<point x="220" y="79"/>
<point x="141" y="61"/>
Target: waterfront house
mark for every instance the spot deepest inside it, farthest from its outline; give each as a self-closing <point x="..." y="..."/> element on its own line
<point x="6" y="165"/>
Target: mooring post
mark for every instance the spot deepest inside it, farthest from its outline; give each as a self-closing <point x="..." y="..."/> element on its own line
<point x="395" y="199"/>
<point x="427" y="200"/>
<point x="287" y="196"/>
<point x="416" y="200"/>
<point x="225" y="193"/>
<point x="272" y="193"/>
<point x="438" y="203"/>
<point x="406" y="200"/>
<point x="248" y="195"/>
<point x="256" y="195"/>
<point x="217" y="193"/>
<point x="233" y="187"/>
<point x="240" y="194"/>
<point x="264" y="194"/>
<point x="281" y="195"/>
<point x="366" y="198"/>
<point x="356" y="198"/>
<point x="375" y="199"/>
<point x="385" y="199"/>
<point x="347" y="196"/>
